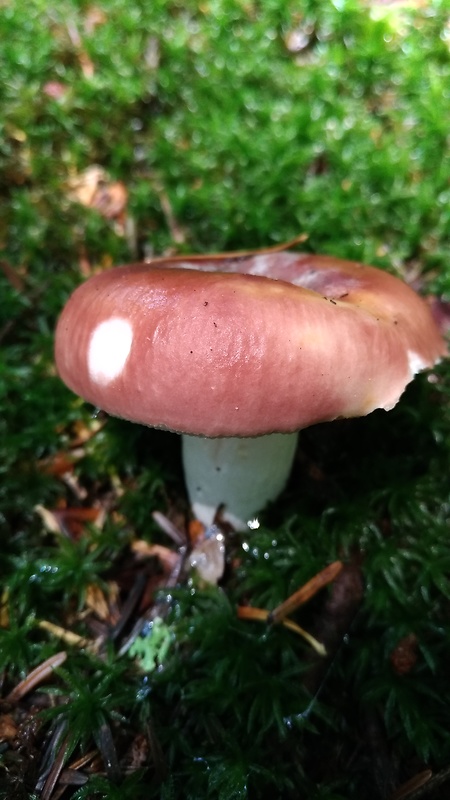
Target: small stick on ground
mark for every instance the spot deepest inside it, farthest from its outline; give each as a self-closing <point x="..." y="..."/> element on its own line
<point x="262" y="615"/>
<point x="306" y="592"/>
<point x="37" y="676"/>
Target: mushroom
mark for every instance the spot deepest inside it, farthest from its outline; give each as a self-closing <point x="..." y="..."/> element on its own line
<point x="240" y="352"/>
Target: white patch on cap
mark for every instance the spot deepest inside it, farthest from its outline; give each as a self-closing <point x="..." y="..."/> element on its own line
<point x="416" y="363"/>
<point x="109" y="349"/>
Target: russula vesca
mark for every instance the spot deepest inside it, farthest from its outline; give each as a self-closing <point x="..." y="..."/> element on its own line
<point x="239" y="352"/>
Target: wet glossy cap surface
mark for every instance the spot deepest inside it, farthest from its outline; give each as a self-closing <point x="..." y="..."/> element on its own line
<point x="244" y="346"/>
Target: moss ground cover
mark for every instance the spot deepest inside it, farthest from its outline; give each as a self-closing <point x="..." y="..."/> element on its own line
<point x="132" y="128"/>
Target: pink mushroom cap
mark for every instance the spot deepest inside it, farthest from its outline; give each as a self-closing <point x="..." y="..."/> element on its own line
<point x="232" y="346"/>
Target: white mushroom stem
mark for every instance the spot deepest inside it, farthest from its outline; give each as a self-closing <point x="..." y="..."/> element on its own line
<point x="241" y="474"/>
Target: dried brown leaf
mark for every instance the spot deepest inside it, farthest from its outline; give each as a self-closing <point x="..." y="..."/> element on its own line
<point x="404" y="657"/>
<point x="94" y="17"/>
<point x="8" y="728"/>
<point x="4" y="609"/>
<point x="168" y="558"/>
<point x="68" y="637"/>
<point x="94" y="189"/>
<point x="13" y="275"/>
<point x="96" y="601"/>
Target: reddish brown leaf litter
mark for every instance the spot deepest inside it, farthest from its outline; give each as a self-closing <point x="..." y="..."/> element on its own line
<point x="404" y="656"/>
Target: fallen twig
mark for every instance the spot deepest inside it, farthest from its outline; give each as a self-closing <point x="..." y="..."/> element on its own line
<point x="36" y="676"/>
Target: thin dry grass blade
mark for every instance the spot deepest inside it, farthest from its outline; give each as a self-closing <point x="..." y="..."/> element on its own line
<point x="36" y="676"/>
<point x="277" y="248"/>
<point x="262" y="615"/>
<point x="307" y="591"/>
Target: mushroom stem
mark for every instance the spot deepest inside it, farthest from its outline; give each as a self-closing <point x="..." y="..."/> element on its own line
<point x="242" y="474"/>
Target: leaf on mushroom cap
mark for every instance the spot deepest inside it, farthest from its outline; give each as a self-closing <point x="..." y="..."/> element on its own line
<point x="244" y="346"/>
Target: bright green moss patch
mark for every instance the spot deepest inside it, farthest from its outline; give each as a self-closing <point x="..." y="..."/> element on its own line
<point x="215" y="126"/>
